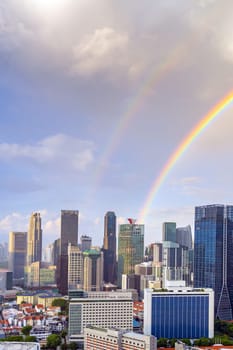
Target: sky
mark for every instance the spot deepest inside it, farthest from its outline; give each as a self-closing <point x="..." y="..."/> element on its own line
<point x="94" y="98"/>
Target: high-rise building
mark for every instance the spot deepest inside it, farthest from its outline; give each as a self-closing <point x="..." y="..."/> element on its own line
<point x="86" y="242"/>
<point x="130" y="248"/>
<point x="169" y="231"/>
<point x="179" y="313"/>
<point x="69" y="229"/>
<point x="101" y="309"/>
<point x="69" y="234"/>
<point x="92" y="270"/>
<point x="75" y="267"/>
<point x="175" y="253"/>
<point x="184" y="236"/>
<point x="34" y="239"/>
<point x="109" y="247"/>
<point x="17" y="253"/>
<point x="213" y="258"/>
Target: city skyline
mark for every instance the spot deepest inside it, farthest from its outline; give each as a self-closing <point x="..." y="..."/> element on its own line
<point x="89" y="121"/>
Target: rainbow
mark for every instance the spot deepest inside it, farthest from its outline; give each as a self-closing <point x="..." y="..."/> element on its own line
<point x="183" y="146"/>
<point x="135" y="105"/>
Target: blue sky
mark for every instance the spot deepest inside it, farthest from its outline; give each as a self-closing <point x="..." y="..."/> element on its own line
<point x="69" y="72"/>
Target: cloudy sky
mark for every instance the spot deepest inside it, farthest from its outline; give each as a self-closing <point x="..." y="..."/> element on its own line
<point x="94" y="98"/>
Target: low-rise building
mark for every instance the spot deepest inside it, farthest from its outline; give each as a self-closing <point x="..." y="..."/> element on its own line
<point x="112" y="339"/>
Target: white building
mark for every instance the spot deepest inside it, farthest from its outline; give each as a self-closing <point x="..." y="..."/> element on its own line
<point x="75" y="267"/>
<point x="99" y="339"/>
<point x="100" y="309"/>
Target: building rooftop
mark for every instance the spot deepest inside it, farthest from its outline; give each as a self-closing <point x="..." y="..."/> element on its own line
<point x="19" y="346"/>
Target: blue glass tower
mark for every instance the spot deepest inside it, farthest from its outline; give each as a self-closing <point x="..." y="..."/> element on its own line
<point x="109" y="247"/>
<point x="213" y="261"/>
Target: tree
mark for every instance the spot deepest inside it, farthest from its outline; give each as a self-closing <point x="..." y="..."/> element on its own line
<point x="26" y="330"/>
<point x="30" y="338"/>
<point x="63" y="334"/>
<point x="186" y="341"/>
<point x="53" y="340"/>
<point x="73" y="346"/>
<point x="64" y="305"/>
<point x="162" y="342"/>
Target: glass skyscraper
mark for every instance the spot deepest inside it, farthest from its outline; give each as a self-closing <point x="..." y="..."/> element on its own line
<point x="213" y="258"/>
<point x="130" y="248"/>
<point x="109" y="248"/>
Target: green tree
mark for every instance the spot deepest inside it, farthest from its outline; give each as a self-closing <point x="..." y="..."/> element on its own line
<point x="162" y="342"/>
<point x="26" y="330"/>
<point x="73" y="346"/>
<point x="64" y="305"/>
<point x="63" y="335"/>
<point x="14" y="338"/>
<point x="53" y="340"/>
<point x="30" y="338"/>
<point x="186" y="341"/>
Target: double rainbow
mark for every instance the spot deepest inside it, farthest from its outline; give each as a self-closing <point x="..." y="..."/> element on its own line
<point x="183" y="146"/>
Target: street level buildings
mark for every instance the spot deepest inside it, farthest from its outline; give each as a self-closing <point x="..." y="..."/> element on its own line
<point x="112" y="339"/>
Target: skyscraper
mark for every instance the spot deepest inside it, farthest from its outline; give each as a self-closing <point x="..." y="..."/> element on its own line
<point x="69" y="234"/>
<point x="109" y="247"/>
<point x="69" y="229"/>
<point x="213" y="258"/>
<point x="175" y="254"/>
<point x="130" y="248"/>
<point x="34" y="239"/>
<point x="92" y="270"/>
<point x="17" y="253"/>
<point x="75" y="267"/>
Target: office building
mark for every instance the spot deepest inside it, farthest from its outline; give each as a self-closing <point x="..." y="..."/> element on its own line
<point x="40" y="274"/>
<point x="56" y="252"/>
<point x="100" y="338"/>
<point x="184" y="236"/>
<point x="86" y="242"/>
<point x="69" y="234"/>
<point x="75" y="267"/>
<point x="169" y="231"/>
<point x="179" y="313"/>
<point x="17" y="254"/>
<point x="109" y="248"/>
<point x="6" y="280"/>
<point x="34" y="239"/>
<point x="175" y="253"/>
<point x="100" y="309"/>
<point x="130" y="248"/>
<point x="92" y="270"/>
<point x="213" y="258"/>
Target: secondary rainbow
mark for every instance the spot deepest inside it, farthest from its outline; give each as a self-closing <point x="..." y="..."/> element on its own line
<point x="175" y="156"/>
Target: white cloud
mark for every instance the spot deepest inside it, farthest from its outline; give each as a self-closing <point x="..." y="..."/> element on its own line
<point x="100" y="51"/>
<point x="58" y="150"/>
<point x="14" y="222"/>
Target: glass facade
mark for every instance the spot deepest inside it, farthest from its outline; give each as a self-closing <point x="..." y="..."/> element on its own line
<point x="213" y="255"/>
<point x="109" y="247"/>
<point x="130" y="248"/>
<point x="180" y="316"/>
